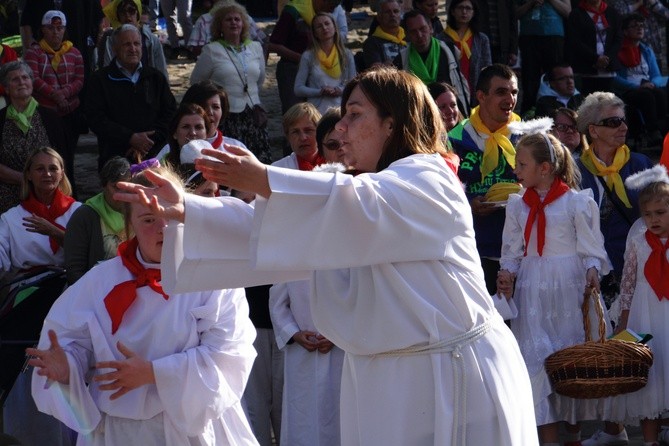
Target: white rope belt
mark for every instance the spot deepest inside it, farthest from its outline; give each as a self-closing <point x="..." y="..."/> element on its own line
<point x="452" y="346"/>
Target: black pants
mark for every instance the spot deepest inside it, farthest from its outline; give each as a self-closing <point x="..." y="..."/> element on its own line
<point x="538" y="55"/>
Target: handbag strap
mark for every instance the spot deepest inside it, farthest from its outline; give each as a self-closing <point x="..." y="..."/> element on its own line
<point x="244" y="81"/>
<point x="615" y="202"/>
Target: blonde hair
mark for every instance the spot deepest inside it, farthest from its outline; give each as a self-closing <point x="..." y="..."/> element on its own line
<point x="26" y="186"/>
<point x="562" y="164"/>
<point x="297" y="112"/>
<point x="656" y="191"/>
<point x="315" y="44"/>
<point x="219" y="15"/>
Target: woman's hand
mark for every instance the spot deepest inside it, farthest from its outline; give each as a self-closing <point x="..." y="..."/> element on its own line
<point x="307" y="339"/>
<point x="166" y="199"/>
<point x="40" y="225"/>
<point x="129" y="374"/>
<point x="235" y="168"/>
<point x="51" y="363"/>
<point x="592" y="279"/>
<point x="324" y="344"/>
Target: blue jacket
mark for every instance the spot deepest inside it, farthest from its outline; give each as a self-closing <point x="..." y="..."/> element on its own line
<point x="622" y="85"/>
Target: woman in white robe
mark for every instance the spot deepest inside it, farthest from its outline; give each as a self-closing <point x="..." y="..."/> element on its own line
<point x="396" y="282"/>
<point x="169" y="371"/>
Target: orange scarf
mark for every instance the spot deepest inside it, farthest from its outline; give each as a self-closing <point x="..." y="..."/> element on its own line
<point x="121" y="297"/>
<point x="656" y="269"/>
<point x="306" y="165"/>
<point x="532" y="199"/>
<point x="60" y="204"/>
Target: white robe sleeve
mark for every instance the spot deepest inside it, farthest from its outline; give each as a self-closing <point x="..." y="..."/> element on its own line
<point x="513" y="241"/>
<point x="200" y="383"/>
<point x="283" y="321"/>
<point x="589" y="238"/>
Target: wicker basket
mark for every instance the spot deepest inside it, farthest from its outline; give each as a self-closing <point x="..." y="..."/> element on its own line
<point x="601" y="368"/>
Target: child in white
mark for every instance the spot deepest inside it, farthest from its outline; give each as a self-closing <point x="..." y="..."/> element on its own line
<point x="644" y="294"/>
<point x="553" y="248"/>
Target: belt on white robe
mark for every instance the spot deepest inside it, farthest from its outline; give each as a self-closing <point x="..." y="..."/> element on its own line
<point x="453" y="346"/>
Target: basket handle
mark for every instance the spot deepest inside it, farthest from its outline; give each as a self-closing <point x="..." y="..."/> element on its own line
<point x="594" y="295"/>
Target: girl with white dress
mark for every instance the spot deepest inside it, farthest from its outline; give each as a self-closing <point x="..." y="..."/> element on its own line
<point x="553" y="247"/>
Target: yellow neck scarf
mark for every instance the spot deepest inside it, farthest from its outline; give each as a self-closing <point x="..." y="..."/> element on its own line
<point x="330" y="63"/>
<point x="399" y="38"/>
<point x="305" y="8"/>
<point x="461" y="42"/>
<point x="610" y="173"/>
<point x="500" y="139"/>
<point x="57" y="55"/>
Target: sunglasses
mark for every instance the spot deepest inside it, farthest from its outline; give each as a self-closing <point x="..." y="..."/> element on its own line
<point x="566" y="128"/>
<point x="613" y="122"/>
<point x="332" y="145"/>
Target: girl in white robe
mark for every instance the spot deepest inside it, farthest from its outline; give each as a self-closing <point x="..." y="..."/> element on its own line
<point x="169" y="371"/>
<point x="395" y="279"/>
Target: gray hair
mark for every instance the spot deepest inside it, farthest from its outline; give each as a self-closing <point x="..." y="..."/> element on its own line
<point x="121" y="29"/>
<point x="13" y="66"/>
<point x="115" y="169"/>
<point x="590" y="111"/>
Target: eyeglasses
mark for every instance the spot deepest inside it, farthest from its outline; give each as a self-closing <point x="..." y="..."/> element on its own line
<point x="613" y="122"/>
<point x="464" y="8"/>
<point x="564" y="128"/>
<point x="332" y="145"/>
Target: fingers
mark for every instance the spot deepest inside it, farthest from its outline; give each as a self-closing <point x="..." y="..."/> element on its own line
<point x="125" y="351"/>
<point x="53" y="338"/>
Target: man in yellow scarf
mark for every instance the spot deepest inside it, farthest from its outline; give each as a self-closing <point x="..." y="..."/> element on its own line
<point x="388" y="38"/>
<point x="487" y="156"/>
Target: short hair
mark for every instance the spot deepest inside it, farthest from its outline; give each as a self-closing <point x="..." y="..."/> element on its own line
<point x="297" y="112"/>
<point x="383" y="2"/>
<point x="573" y="117"/>
<point x="115" y="169"/>
<point x="494" y="70"/>
<point x="474" y="24"/>
<point x="126" y="27"/>
<point x="27" y="187"/>
<point x="590" y="111"/>
<point x="632" y="18"/>
<point x="417" y="124"/>
<point x="202" y="91"/>
<point x="219" y="15"/>
<point x="658" y="190"/>
<point x="412" y="15"/>
<point x="326" y="125"/>
<point x="550" y="74"/>
<point x="185" y="109"/>
<point x="14" y="65"/>
<point x="135" y="3"/>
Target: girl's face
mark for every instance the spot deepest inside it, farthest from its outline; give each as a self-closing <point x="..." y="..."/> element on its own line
<point x="429" y="7"/>
<point x="529" y="172"/>
<point x="149" y="231"/>
<point x="448" y="108"/>
<point x="565" y="130"/>
<point x="655" y="214"/>
<point x="190" y="127"/>
<point x="214" y="110"/>
<point x="332" y="150"/>
<point x="45" y="173"/>
<point x="363" y="132"/>
<point x="463" y="13"/>
<point x="206" y="189"/>
<point x="324" y="28"/>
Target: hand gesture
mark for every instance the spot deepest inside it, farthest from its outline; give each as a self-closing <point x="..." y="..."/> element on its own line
<point x="307" y="339"/>
<point x="166" y="199"/>
<point x="128" y="374"/>
<point x="52" y="362"/>
<point x="39" y="225"/>
<point x="236" y="168"/>
<point x="324" y="344"/>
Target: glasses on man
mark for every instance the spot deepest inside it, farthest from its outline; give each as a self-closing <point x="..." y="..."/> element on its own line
<point x="566" y="128"/>
<point x="332" y="145"/>
<point x="613" y="122"/>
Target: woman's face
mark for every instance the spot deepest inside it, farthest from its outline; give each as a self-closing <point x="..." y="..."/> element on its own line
<point x="463" y="13"/>
<point x="610" y="131"/>
<point x="364" y="133"/>
<point x="54" y="33"/>
<point x="108" y="192"/>
<point x="332" y="151"/>
<point x="206" y="189"/>
<point x="149" y="231"/>
<point x="19" y="85"/>
<point x="232" y="27"/>
<point x="302" y="137"/>
<point x="448" y="109"/>
<point x="45" y="173"/>
<point x="214" y="111"/>
<point x="127" y="14"/>
<point x="190" y="127"/>
<point x="324" y="28"/>
<point x="565" y="130"/>
<point x="429" y="7"/>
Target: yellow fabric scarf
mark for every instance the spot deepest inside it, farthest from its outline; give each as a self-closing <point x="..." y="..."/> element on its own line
<point x="305" y="8"/>
<point x="399" y="38"/>
<point x="57" y="55"/>
<point x="462" y="42"/>
<point x="330" y="63"/>
<point x="610" y="173"/>
<point x="500" y="139"/>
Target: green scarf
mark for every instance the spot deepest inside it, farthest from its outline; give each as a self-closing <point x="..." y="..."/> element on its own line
<point x="111" y="218"/>
<point x="226" y="44"/>
<point x="22" y="119"/>
<point x="426" y="71"/>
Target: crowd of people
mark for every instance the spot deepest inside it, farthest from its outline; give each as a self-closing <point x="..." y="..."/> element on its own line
<point x="210" y="294"/>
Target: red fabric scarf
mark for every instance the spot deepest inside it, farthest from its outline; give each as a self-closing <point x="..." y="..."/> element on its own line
<point x="598" y="13"/>
<point x="218" y="142"/>
<point x="532" y="199"/>
<point x="124" y="294"/>
<point x="304" y="164"/>
<point x="630" y="53"/>
<point x="656" y="269"/>
<point x="60" y="204"/>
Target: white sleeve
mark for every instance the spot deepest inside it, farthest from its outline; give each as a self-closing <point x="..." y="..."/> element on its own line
<point x="283" y="321"/>
<point x="301" y="88"/>
<point x="204" y="65"/>
<point x="513" y="235"/>
<point x="506" y="308"/>
<point x="589" y="238"/>
<point x="197" y="385"/>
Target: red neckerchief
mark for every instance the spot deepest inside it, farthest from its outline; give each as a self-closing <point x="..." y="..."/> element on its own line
<point x="60" y="204"/>
<point x="305" y="164"/>
<point x="656" y="269"/>
<point x="124" y="294"/>
<point x="630" y="53"/>
<point x="452" y="161"/>
<point x="532" y="199"/>
<point x="218" y="141"/>
<point x="598" y="13"/>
